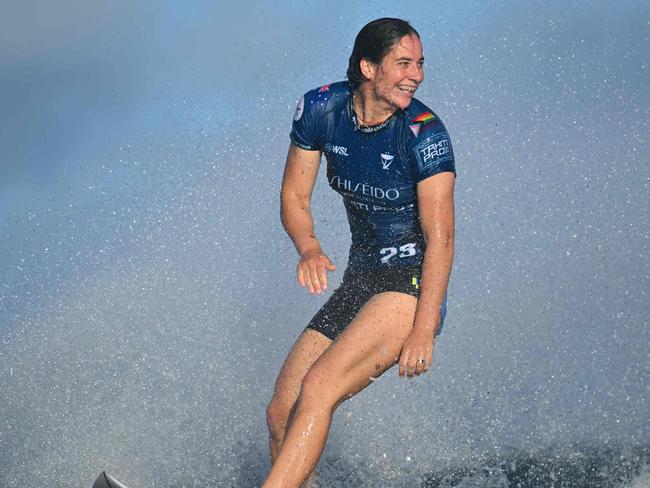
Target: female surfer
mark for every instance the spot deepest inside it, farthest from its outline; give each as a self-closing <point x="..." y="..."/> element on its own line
<point x="391" y="159"/>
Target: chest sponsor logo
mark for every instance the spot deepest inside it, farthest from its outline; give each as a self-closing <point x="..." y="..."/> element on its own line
<point x="333" y="148"/>
<point x="375" y="208"/>
<point x="363" y="188"/>
<point x="386" y="159"/>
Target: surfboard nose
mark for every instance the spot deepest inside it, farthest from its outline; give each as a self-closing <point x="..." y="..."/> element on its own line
<point x="105" y="480"/>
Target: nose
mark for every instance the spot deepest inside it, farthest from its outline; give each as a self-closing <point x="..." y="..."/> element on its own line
<point x="416" y="72"/>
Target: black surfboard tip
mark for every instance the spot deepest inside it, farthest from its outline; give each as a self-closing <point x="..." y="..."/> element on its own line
<point x="105" y="480"/>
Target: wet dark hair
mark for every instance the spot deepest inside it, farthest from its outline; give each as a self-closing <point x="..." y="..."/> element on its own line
<point x="373" y="43"/>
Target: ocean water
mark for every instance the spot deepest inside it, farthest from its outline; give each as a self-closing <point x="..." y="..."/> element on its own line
<point x="567" y="467"/>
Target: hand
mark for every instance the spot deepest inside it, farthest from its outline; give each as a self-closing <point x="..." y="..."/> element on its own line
<point x="418" y="345"/>
<point x="312" y="271"/>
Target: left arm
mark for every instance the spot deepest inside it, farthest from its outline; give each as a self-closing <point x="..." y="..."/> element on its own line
<point x="436" y="207"/>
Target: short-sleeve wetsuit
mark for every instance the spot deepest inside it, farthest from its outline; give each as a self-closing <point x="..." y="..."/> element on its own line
<point x="376" y="170"/>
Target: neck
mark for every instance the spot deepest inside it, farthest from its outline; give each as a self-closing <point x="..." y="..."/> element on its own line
<point x="370" y="110"/>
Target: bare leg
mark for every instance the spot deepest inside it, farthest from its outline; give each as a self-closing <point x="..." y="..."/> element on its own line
<point x="369" y="346"/>
<point x="306" y="350"/>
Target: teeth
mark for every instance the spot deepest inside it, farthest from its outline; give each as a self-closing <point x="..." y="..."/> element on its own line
<point x="407" y="89"/>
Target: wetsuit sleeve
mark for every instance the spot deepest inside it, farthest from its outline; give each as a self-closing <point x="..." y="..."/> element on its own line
<point x="432" y="152"/>
<point x="304" y="132"/>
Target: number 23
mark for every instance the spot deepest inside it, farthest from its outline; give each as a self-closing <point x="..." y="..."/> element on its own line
<point x="405" y="251"/>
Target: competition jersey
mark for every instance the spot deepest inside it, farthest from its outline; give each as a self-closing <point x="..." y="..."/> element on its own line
<point x="376" y="170"/>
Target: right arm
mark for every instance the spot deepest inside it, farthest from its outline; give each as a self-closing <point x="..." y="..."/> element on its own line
<point x="297" y="185"/>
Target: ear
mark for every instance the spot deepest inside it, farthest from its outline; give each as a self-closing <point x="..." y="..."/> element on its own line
<point x="368" y="69"/>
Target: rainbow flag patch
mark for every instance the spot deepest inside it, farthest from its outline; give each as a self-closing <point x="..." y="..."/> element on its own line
<point x="424" y="118"/>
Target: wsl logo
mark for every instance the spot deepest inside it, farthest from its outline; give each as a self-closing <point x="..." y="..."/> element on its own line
<point x="386" y="159"/>
<point x="340" y="150"/>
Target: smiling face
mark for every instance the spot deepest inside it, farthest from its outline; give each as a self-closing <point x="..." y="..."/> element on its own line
<point x="392" y="83"/>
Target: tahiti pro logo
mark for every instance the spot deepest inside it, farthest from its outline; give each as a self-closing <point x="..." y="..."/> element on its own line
<point x="299" y="109"/>
<point x="433" y="150"/>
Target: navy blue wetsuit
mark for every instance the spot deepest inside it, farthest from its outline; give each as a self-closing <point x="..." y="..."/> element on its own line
<point x="376" y="170"/>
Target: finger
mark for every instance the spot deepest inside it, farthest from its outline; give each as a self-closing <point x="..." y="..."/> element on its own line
<point x="428" y="357"/>
<point x="426" y="360"/>
<point x="301" y="276"/>
<point x="412" y="364"/>
<point x="403" y="362"/>
<point x="418" y="364"/>
<point x="313" y="276"/>
<point x="329" y="265"/>
<point x="322" y="276"/>
<point x="305" y="279"/>
<point x="421" y="363"/>
<point x="310" y="284"/>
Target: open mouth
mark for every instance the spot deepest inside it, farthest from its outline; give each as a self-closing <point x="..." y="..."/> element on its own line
<point x="407" y="89"/>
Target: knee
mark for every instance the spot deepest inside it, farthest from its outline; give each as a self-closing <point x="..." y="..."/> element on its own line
<point x="316" y="393"/>
<point x="277" y="416"/>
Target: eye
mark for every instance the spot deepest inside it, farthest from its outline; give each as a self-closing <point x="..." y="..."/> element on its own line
<point x="403" y="64"/>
